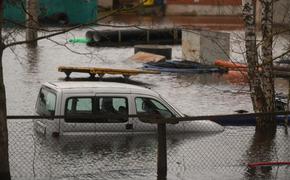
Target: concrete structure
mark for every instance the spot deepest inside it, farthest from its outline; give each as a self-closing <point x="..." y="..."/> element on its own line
<point x="205" y="46"/>
<point x="205" y="8"/>
<point x="181" y="7"/>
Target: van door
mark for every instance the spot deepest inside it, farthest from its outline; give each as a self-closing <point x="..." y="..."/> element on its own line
<point x="149" y="106"/>
<point x="79" y="113"/>
<point x="113" y="111"/>
<point x="46" y="105"/>
<point x="140" y="111"/>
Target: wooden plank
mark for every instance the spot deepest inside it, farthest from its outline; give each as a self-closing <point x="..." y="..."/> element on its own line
<point x="147" y="57"/>
<point x="122" y="71"/>
<point x="102" y="71"/>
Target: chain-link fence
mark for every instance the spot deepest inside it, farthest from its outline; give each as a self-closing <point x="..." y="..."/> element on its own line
<point x="209" y="151"/>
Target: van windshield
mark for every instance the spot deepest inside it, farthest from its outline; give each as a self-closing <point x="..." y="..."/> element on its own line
<point x="45" y="103"/>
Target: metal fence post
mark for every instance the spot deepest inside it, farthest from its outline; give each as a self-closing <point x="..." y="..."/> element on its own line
<point x="162" y="153"/>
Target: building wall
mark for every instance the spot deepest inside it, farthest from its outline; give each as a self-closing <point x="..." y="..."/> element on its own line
<point x="181" y="9"/>
<point x="224" y="7"/>
<point x="203" y="7"/>
<point x="207" y="2"/>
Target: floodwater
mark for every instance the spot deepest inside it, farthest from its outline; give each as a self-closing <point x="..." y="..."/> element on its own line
<point x="223" y="155"/>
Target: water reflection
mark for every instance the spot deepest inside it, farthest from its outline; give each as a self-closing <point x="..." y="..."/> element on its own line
<point x="205" y="79"/>
<point x="120" y="143"/>
<point x="91" y="154"/>
<point x="262" y="149"/>
<point x="32" y="55"/>
<point x="83" y="154"/>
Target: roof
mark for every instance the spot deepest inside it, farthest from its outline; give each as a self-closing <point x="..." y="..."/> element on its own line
<point x="104" y="87"/>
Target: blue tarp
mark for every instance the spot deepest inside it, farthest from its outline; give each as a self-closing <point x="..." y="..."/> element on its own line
<point x="182" y="67"/>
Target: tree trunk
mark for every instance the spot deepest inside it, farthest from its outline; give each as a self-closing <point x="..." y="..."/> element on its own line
<point x="252" y="55"/>
<point x="260" y="77"/>
<point x="4" y="158"/>
<point x="267" y="78"/>
<point x="258" y="13"/>
<point x="4" y="165"/>
<point x="31" y="22"/>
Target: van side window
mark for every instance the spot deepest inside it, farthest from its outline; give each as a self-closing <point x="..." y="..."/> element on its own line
<point x="46" y="103"/>
<point x="95" y="110"/>
<point x="112" y="106"/>
<point x="81" y="105"/>
<point x="147" y="106"/>
<point x="79" y="109"/>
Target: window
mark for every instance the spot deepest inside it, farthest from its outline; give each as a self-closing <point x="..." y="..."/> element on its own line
<point x="96" y="109"/>
<point x="46" y="102"/>
<point x="113" y="106"/>
<point x="80" y="105"/>
<point x="148" y="106"/>
<point x="79" y="109"/>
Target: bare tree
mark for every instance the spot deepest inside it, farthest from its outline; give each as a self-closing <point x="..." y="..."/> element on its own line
<point x="4" y="165"/>
<point x="267" y="70"/>
<point x="260" y="72"/>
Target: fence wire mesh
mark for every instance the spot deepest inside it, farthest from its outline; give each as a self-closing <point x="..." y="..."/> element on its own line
<point x="208" y="153"/>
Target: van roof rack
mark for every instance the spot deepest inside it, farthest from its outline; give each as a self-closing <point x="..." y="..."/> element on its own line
<point x="93" y="71"/>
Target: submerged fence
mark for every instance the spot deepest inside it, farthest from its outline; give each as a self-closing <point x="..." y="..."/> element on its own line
<point x="207" y="153"/>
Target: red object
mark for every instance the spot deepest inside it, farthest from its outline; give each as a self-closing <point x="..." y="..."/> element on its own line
<point x="254" y="165"/>
<point x="237" y="72"/>
<point x="236" y="76"/>
<point x="207" y="2"/>
<point x="230" y="65"/>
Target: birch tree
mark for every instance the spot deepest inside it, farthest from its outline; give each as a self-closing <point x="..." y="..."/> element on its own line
<point x="260" y="70"/>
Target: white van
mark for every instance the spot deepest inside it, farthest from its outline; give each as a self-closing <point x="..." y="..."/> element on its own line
<point x="81" y="102"/>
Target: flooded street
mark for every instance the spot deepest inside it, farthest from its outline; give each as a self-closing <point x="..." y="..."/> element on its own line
<point x="194" y="94"/>
<point x="222" y="155"/>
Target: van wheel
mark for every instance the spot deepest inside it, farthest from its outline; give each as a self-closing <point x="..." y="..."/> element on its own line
<point x="55" y="134"/>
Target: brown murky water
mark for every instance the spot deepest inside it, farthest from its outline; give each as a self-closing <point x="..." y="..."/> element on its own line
<point x="200" y="156"/>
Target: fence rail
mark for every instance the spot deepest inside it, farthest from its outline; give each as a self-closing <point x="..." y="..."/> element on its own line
<point x="187" y="118"/>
